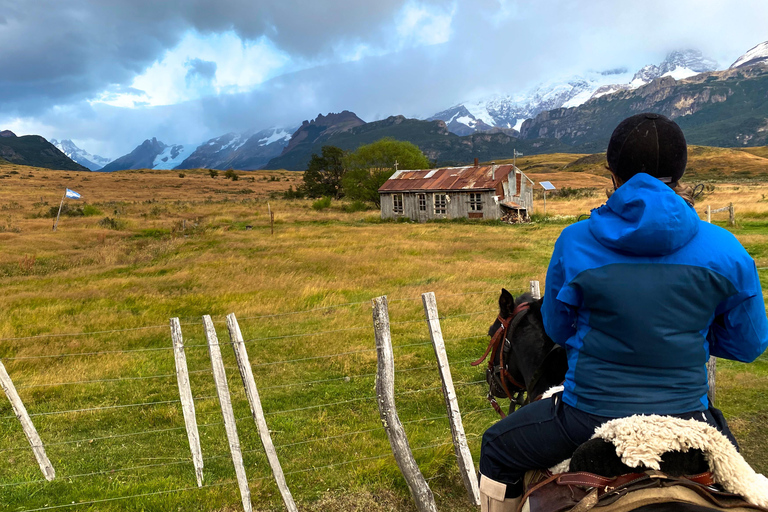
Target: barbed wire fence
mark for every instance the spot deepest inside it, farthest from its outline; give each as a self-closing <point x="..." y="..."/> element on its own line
<point x="321" y="407"/>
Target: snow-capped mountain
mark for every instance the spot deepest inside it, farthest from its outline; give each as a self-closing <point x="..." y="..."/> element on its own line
<point x="172" y="156"/>
<point x="509" y="111"/>
<point x="757" y="55"/>
<point x="247" y="151"/>
<point x="678" y="65"/>
<point x="81" y="156"/>
<point x="150" y="154"/>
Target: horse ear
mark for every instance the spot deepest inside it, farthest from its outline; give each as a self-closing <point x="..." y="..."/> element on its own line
<point x="506" y="303"/>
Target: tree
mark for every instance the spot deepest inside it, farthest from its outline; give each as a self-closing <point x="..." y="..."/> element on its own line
<point x="373" y="164"/>
<point x="324" y="173"/>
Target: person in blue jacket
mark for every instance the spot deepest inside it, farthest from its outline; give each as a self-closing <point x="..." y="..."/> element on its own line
<point x="640" y="295"/>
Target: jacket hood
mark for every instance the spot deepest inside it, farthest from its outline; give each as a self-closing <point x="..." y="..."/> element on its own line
<point x="644" y="217"/>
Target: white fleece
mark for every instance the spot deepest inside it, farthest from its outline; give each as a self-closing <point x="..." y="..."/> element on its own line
<point x="642" y="440"/>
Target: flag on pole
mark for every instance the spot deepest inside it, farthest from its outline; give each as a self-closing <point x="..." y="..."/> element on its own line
<point x="72" y="194"/>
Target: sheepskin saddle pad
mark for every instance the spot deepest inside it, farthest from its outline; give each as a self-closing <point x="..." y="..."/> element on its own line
<point x="676" y="447"/>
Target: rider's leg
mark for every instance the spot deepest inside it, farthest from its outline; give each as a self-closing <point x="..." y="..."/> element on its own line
<point x="538" y="436"/>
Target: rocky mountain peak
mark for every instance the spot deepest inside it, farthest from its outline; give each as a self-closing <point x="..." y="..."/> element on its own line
<point x="7" y="133"/>
<point x="756" y="55"/>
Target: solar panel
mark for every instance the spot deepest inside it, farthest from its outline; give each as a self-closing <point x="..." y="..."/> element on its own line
<point x="547" y="185"/>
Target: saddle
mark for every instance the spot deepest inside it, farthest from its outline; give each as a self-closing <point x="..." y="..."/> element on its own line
<point x="648" y="460"/>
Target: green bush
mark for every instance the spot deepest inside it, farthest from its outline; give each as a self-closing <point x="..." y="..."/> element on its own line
<point x="181" y="175"/>
<point x="322" y="203"/>
<point x="91" y="211"/>
<point x="356" y="206"/>
<point x="230" y="174"/>
<point x="213" y="173"/>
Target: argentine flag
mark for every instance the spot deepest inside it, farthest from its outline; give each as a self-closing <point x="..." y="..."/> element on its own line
<point x="72" y="194"/>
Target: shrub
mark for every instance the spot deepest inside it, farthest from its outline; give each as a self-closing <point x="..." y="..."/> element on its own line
<point x="292" y="194"/>
<point x="66" y="209"/>
<point x="91" y="211"/>
<point x="355" y="206"/>
<point x="181" y="175"/>
<point x="322" y="203"/>
<point x="213" y="173"/>
<point x="110" y="223"/>
<point x="230" y="174"/>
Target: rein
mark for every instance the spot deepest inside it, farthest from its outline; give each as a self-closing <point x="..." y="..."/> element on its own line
<point x="504" y="334"/>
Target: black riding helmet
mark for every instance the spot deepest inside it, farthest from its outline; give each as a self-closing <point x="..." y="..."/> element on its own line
<point x="649" y="143"/>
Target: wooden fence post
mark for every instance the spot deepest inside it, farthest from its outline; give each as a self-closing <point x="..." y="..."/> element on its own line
<point x="222" y="390"/>
<point x="385" y="394"/>
<point x="463" y="455"/>
<point x="26" y="424"/>
<point x="535" y="290"/>
<point x="712" y="363"/>
<point x="246" y="373"/>
<point x="731" y="215"/>
<point x="187" y="402"/>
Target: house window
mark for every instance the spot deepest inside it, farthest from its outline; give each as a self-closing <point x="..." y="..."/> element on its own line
<point x="422" y="202"/>
<point x="397" y="203"/>
<point x="440" y="204"/>
<point x="475" y="202"/>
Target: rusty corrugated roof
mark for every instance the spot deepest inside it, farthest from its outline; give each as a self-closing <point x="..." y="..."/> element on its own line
<point x="448" y="178"/>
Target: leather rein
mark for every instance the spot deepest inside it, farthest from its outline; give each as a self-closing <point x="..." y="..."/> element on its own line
<point x="504" y="335"/>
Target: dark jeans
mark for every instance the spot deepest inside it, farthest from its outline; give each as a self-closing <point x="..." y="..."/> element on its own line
<point x="545" y="433"/>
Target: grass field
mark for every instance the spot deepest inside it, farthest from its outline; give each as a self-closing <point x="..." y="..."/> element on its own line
<point x="105" y="402"/>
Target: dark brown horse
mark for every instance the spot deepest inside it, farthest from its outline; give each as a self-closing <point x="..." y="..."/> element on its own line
<point x="524" y="362"/>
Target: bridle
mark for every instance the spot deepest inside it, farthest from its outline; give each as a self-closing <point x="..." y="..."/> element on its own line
<point x="500" y="374"/>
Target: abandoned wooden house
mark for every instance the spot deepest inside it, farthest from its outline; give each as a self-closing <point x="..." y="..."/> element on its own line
<point x="476" y="192"/>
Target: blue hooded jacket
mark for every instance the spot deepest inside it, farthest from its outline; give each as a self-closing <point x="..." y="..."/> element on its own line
<point x="641" y="294"/>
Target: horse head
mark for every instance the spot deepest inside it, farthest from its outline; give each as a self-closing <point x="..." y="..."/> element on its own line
<point x="523" y="357"/>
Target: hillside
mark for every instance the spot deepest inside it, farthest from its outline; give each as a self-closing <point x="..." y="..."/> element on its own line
<point x="725" y="109"/>
<point x="432" y="137"/>
<point x="33" y="150"/>
<point x="704" y="163"/>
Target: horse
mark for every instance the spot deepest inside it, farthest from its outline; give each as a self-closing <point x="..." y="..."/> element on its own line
<point x="524" y="370"/>
<point x="524" y="364"/>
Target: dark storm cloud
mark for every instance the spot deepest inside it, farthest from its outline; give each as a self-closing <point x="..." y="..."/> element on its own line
<point x="80" y="47"/>
<point x="55" y="51"/>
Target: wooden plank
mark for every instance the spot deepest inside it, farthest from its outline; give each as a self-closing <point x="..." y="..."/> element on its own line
<point x="246" y="373"/>
<point x="187" y="402"/>
<point x="463" y="455"/>
<point x="535" y="290"/>
<point x="385" y="394"/>
<point x="222" y="390"/>
<point x="26" y="424"/>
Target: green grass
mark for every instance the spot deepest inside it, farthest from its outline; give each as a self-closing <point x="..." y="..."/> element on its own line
<point x="321" y="412"/>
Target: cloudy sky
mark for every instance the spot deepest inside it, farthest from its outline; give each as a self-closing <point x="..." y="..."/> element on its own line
<point x="110" y="73"/>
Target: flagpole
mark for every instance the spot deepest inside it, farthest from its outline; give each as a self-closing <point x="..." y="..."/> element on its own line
<point x="60" y="205"/>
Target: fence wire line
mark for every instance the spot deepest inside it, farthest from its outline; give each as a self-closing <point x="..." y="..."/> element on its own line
<point x="118" y="498"/>
<point x="166" y="326"/>
<point x="217" y="457"/>
<point x="97" y="473"/>
<point x="250" y="340"/>
<point x="107" y="407"/>
<point x="360" y="399"/>
<point x="115" y="436"/>
<point x="97" y="381"/>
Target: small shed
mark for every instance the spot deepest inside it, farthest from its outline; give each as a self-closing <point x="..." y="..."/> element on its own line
<point x="475" y="192"/>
